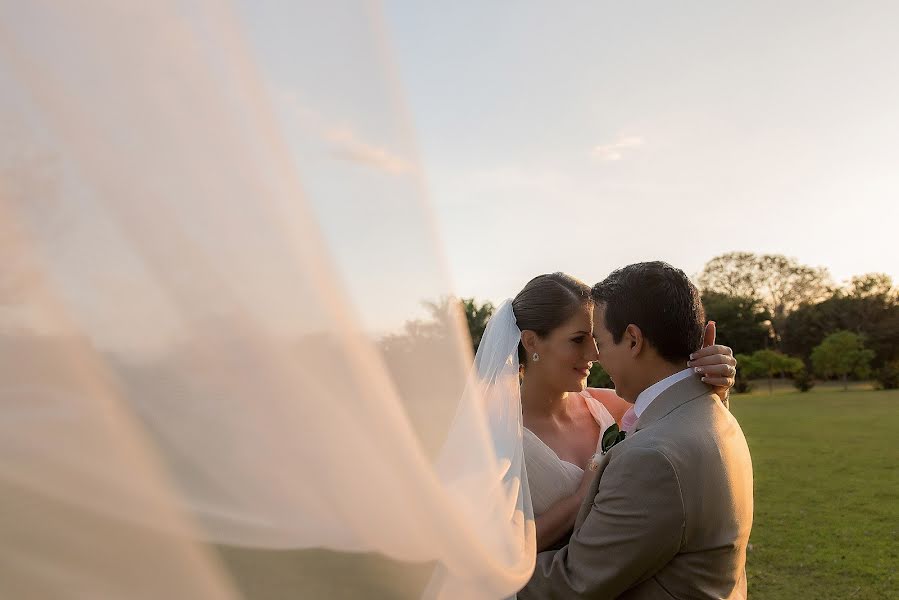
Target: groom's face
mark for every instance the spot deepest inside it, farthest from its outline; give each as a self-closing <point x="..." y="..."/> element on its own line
<point x="616" y="359"/>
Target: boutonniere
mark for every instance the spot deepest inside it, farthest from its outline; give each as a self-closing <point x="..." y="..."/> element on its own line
<point x="611" y="436"/>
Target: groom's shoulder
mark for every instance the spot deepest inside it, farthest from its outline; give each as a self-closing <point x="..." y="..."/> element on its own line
<point x="704" y="409"/>
<point x="701" y="423"/>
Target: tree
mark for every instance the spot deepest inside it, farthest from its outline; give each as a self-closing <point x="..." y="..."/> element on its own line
<point x="476" y="316"/>
<point x="872" y="285"/>
<point x="426" y="345"/>
<point x="780" y="283"/>
<point x="743" y="323"/>
<point x="745" y="365"/>
<point x="841" y="354"/>
<point x="807" y="326"/>
<point x="731" y="274"/>
<point x="803" y="380"/>
<point x="768" y="363"/>
<point x="888" y="375"/>
<point x="868" y="306"/>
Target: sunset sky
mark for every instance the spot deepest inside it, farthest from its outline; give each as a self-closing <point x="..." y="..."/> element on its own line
<point x="611" y="132"/>
<point x="459" y="150"/>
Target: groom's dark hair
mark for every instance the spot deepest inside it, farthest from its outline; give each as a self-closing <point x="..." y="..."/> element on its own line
<point x="660" y="300"/>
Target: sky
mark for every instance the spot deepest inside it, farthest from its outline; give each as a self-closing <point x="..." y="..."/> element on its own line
<point x="457" y="149"/>
<point x="586" y="138"/>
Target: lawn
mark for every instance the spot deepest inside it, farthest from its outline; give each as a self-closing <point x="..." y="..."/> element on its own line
<point x="826" y="492"/>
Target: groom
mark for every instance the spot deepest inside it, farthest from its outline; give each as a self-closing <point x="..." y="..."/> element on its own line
<point x="669" y="511"/>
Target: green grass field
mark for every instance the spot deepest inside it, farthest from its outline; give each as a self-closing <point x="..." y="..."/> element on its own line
<point x="826" y="469"/>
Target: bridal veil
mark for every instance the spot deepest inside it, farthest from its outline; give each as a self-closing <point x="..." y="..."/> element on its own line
<point x="227" y="331"/>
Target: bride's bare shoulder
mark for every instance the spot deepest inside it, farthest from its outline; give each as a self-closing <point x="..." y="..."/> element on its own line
<point x="613" y="403"/>
<point x="601" y="393"/>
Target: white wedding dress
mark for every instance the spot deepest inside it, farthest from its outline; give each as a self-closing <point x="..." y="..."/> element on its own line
<point x="550" y="478"/>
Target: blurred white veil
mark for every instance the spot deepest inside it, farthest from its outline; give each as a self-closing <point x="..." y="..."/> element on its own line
<point x="231" y="362"/>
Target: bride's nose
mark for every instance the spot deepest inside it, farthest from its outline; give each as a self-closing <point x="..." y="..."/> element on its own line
<point x="593" y="353"/>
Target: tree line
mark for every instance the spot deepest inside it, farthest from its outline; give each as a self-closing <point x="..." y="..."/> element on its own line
<point x="786" y="320"/>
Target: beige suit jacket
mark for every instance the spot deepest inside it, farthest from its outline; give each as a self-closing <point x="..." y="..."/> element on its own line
<point x="669" y="511"/>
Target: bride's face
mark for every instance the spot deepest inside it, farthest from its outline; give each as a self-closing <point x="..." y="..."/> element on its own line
<point x="567" y="353"/>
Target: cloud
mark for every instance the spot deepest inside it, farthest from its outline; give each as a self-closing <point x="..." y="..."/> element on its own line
<point x="349" y="147"/>
<point x="613" y="151"/>
<point x="344" y="143"/>
<point x="298" y="112"/>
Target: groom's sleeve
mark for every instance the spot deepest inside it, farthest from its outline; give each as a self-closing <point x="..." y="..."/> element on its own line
<point x="634" y="528"/>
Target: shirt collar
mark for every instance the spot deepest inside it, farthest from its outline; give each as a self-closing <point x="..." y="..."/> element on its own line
<point x="652" y="392"/>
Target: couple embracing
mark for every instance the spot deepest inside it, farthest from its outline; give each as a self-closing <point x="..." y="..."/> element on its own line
<point x="644" y="492"/>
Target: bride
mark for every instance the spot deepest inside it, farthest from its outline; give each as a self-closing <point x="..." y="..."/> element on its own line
<point x="563" y="419"/>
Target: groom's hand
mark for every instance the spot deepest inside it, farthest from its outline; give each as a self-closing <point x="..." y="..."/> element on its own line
<point x="715" y="363"/>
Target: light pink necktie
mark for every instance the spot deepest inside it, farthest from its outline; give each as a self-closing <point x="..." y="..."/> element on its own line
<point x="629" y="421"/>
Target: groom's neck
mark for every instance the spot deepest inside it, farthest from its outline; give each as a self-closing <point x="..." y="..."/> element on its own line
<point x="657" y="369"/>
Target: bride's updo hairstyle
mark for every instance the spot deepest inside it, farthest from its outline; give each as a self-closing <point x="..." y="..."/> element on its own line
<point x="546" y="302"/>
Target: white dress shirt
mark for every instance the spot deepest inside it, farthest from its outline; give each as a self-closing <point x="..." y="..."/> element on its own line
<point x="652" y="392"/>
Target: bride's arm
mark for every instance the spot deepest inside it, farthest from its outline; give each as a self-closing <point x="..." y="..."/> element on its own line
<point x="559" y="518"/>
<point x="555" y="522"/>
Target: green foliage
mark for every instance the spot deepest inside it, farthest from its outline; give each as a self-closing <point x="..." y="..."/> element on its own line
<point x="476" y="315"/>
<point x="742" y="385"/>
<point x="868" y="307"/>
<point x="746" y="366"/>
<point x="888" y="375"/>
<point x="767" y="364"/>
<point x="841" y="354"/>
<point x="611" y="436"/>
<point x="803" y="380"/>
<point x="598" y="378"/>
<point x="743" y="322"/>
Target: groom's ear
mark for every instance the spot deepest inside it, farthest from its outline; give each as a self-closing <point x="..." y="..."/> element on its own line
<point x="634" y="339"/>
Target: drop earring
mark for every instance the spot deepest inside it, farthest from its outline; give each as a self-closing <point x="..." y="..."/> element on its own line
<point x="536" y="357"/>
